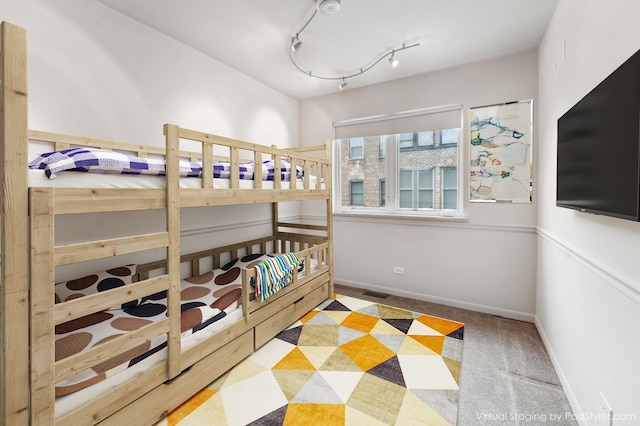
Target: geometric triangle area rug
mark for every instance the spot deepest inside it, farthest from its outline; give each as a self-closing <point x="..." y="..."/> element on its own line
<point x="347" y="362"/>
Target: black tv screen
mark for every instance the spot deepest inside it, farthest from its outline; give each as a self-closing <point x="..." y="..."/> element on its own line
<point x="599" y="147"/>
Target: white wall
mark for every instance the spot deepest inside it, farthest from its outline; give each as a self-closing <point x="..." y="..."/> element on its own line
<point x="94" y="72"/>
<point x="588" y="290"/>
<point x="486" y="263"/>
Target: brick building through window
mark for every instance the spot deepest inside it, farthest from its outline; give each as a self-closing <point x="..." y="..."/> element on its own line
<point x="427" y="175"/>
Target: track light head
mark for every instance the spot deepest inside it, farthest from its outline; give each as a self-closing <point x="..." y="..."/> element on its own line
<point x="393" y="61"/>
<point x="296" y="44"/>
<point x="343" y="84"/>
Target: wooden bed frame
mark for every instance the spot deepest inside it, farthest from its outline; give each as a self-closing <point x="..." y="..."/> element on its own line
<point x="30" y="256"/>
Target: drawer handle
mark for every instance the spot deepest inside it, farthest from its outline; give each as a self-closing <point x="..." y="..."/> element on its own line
<point x="299" y="300"/>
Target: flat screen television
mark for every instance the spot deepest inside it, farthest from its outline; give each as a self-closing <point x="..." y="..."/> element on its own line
<point x="599" y="147"/>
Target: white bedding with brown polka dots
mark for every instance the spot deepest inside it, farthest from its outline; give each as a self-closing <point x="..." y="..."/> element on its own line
<point x="205" y="299"/>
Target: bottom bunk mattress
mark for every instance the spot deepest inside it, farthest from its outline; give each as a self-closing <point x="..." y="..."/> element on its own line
<point x="209" y="299"/>
<point x="66" y="404"/>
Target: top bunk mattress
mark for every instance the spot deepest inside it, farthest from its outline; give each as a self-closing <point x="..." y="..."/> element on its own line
<point x="38" y="179"/>
<point x="97" y="168"/>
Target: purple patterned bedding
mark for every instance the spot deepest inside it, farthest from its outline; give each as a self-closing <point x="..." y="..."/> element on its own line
<point x="95" y="160"/>
<point x="205" y="299"/>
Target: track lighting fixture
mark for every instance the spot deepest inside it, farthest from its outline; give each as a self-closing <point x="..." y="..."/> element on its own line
<point x="392" y="60"/>
<point x="296" y="44"/>
<point x="331" y="7"/>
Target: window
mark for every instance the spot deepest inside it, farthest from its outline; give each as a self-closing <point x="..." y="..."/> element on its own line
<point x="424" y="139"/>
<point x="382" y="151"/>
<point x="449" y="188"/>
<point x="417" y="140"/>
<point x="416" y="189"/>
<point x="356" y="148"/>
<point x="406" y="140"/>
<point x="413" y="172"/>
<point x="425" y="189"/>
<point x="357" y="193"/>
<point x="449" y="136"/>
<point x="359" y="185"/>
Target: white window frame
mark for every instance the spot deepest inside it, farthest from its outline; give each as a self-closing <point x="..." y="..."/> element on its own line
<point x="391" y="208"/>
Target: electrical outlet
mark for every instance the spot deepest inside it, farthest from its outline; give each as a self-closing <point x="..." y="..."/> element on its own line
<point x="398" y="270"/>
<point x="605" y="409"/>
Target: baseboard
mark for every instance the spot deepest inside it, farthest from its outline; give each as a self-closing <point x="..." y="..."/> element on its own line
<point x="566" y="386"/>
<point x="492" y="310"/>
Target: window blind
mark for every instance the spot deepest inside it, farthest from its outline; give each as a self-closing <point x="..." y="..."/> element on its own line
<point x="444" y="117"/>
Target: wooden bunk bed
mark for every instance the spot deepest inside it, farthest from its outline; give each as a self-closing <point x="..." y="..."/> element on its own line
<point x="30" y="256"/>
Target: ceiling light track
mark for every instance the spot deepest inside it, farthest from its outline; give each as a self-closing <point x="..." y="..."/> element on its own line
<point x="331" y="7"/>
<point x="360" y="71"/>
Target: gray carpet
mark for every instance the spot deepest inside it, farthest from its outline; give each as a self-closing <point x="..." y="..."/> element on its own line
<point x="507" y="376"/>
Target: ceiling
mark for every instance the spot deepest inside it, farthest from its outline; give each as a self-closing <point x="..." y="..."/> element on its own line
<point x="254" y="36"/>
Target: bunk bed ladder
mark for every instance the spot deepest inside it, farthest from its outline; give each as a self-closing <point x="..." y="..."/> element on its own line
<point x="45" y="315"/>
<point x="45" y="203"/>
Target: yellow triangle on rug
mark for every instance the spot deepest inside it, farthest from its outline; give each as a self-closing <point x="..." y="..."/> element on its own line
<point x="349" y="361"/>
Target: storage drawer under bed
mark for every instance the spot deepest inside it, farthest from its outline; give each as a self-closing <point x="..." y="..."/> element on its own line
<point x="156" y="404"/>
<point x="270" y="327"/>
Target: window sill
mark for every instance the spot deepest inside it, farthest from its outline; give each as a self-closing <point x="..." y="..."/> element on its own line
<point x="452" y="217"/>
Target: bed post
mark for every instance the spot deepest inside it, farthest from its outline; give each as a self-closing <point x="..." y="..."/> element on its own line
<point x="275" y="227"/>
<point x="172" y="135"/>
<point x="14" y="261"/>
<point x="328" y="183"/>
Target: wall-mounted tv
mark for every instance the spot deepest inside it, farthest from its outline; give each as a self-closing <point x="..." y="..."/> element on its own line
<point x="599" y="147"/>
